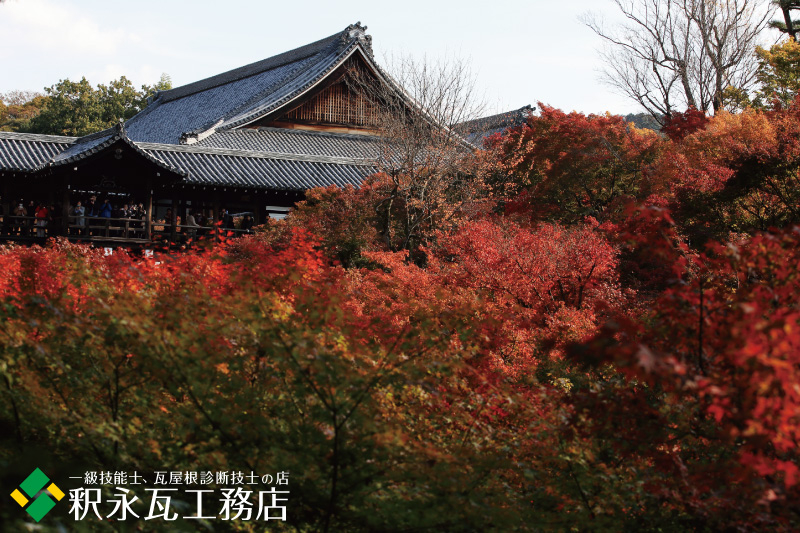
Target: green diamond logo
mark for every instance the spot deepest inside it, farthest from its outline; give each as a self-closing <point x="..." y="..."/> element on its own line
<point x="34" y="483"/>
<point x="32" y="486"/>
<point x="40" y="507"/>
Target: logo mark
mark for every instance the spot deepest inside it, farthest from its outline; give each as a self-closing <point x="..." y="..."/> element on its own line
<point x="32" y="486"/>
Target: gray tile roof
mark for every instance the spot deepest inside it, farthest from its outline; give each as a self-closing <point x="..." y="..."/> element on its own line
<point x="166" y="122"/>
<point x="26" y="152"/>
<point x="86" y="146"/>
<point x="262" y="170"/>
<point x="207" y="111"/>
<point x="243" y="94"/>
<point x="475" y="131"/>
<point x="205" y="165"/>
<point x="287" y="141"/>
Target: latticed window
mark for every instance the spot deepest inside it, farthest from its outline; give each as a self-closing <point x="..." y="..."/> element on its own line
<point x="337" y="105"/>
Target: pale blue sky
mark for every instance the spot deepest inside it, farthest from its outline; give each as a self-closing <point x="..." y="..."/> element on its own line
<point x="521" y="52"/>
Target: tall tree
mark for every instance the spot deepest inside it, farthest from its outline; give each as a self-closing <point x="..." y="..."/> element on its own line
<point x="788" y="25"/>
<point x="779" y="73"/>
<point x="76" y="108"/>
<point x="18" y="108"/>
<point x="567" y="166"/>
<point x="426" y="164"/>
<point x="670" y="55"/>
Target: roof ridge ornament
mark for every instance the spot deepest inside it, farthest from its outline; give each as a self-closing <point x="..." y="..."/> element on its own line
<point x="357" y="32"/>
<point x="198" y="134"/>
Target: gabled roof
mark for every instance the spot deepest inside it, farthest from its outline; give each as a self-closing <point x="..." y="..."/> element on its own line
<point x="82" y="147"/>
<point x="86" y="147"/>
<point x="243" y="95"/>
<point x="196" y="132"/>
<point x="475" y="131"/>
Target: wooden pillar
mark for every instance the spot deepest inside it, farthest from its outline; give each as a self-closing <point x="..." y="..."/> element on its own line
<point x="8" y="208"/>
<point x="255" y="208"/>
<point x="148" y="206"/>
<point x="50" y="229"/>
<point x="216" y="227"/>
<point x="216" y="209"/>
<point x="65" y="209"/>
<point x="173" y="232"/>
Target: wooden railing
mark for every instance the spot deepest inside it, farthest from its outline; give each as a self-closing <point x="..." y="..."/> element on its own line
<point x="183" y="233"/>
<point x="111" y="229"/>
<point x="107" y="227"/>
<point x="28" y="226"/>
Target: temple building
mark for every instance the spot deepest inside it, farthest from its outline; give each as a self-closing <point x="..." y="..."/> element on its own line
<point x="251" y="140"/>
<point x="478" y="130"/>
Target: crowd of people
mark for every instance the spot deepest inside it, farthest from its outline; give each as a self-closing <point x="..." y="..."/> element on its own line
<point x="93" y="208"/>
<point x="95" y="218"/>
<point x="199" y="223"/>
<point x="31" y="218"/>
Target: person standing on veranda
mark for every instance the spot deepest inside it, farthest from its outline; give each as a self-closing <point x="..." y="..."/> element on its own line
<point x="41" y="219"/>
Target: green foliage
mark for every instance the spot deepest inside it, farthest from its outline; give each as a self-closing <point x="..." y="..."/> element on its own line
<point x="73" y="108"/>
<point x="779" y="72"/>
<point x="788" y="25"/>
<point x="76" y="108"/>
<point x="778" y="77"/>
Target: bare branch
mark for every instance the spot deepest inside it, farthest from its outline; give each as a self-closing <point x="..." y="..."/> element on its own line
<point x="669" y="55"/>
<point x="427" y="161"/>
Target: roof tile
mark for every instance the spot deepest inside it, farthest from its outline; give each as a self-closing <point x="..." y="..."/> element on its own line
<point x="238" y="96"/>
<point x="296" y="142"/>
<point x="261" y="172"/>
<point x="25" y="152"/>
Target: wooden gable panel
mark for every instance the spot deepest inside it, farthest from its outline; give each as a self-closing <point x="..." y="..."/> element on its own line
<point x="337" y="104"/>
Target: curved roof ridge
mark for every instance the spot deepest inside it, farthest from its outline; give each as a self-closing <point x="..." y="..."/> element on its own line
<point x="307" y="79"/>
<point x="39" y="137"/>
<point x="208" y="150"/>
<point x="247" y="108"/>
<point x="111" y="130"/>
<point x="338" y="39"/>
<point x="505" y="119"/>
<point x="189" y="113"/>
